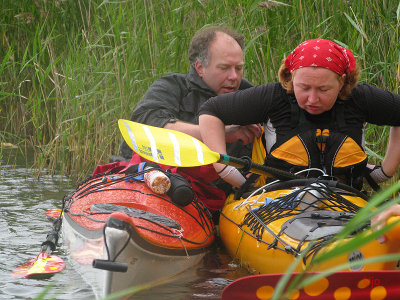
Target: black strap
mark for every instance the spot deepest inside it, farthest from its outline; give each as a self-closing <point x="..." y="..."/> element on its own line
<point x="294" y="111"/>
<point x="136" y="213"/>
<point x="246" y="186"/>
<point x="370" y="181"/>
<point x="339" y="116"/>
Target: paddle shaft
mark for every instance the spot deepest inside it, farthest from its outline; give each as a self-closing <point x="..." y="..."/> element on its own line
<point x="52" y="237"/>
<point x="249" y="166"/>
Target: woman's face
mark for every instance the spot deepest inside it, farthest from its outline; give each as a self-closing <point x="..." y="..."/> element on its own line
<point x="316" y="89"/>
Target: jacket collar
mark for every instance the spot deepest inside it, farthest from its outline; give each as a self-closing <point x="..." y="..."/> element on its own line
<point x="197" y="83"/>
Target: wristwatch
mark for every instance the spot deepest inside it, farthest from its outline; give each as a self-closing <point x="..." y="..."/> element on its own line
<point x="172" y="120"/>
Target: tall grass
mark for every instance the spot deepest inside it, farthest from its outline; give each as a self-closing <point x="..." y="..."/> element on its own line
<point x="70" y="69"/>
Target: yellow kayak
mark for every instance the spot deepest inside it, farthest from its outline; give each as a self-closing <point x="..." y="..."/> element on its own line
<point x="266" y="231"/>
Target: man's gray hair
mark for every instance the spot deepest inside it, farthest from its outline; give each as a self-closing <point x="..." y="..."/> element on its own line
<point x="200" y="44"/>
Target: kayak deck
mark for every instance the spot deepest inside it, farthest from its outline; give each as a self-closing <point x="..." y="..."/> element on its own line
<point x="131" y="235"/>
<point x="280" y="223"/>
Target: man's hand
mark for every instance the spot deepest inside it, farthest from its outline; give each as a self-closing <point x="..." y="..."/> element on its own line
<point x="246" y="133"/>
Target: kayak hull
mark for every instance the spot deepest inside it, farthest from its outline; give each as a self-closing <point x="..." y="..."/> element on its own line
<point x="275" y="249"/>
<point x="120" y="235"/>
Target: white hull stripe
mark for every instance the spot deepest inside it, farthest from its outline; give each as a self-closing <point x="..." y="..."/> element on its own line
<point x="132" y="137"/>
<point x="153" y="145"/>
<point x="200" y="155"/>
<point x="177" y="149"/>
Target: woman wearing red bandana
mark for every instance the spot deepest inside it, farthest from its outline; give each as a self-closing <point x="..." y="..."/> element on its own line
<point x="317" y="100"/>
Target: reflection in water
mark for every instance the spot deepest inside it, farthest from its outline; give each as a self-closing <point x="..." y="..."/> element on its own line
<point x="23" y="227"/>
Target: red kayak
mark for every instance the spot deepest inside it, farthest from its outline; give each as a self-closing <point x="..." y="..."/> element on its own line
<point x="121" y="234"/>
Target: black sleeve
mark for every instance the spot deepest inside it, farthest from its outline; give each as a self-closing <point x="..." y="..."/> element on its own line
<point x="160" y="103"/>
<point x="380" y="107"/>
<point x="242" y="107"/>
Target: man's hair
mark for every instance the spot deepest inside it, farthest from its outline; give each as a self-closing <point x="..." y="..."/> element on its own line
<point x="199" y="46"/>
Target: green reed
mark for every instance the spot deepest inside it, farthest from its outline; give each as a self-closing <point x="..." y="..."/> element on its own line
<point x="70" y="69"/>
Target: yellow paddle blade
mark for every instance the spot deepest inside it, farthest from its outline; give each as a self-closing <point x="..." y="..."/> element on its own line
<point x="165" y="146"/>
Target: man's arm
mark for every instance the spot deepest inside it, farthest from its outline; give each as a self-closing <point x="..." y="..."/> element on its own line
<point x="161" y="103"/>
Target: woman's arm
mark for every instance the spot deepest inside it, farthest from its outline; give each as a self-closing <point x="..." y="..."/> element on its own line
<point x="212" y="131"/>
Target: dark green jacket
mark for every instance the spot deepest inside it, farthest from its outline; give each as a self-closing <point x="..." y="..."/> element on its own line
<point x="178" y="96"/>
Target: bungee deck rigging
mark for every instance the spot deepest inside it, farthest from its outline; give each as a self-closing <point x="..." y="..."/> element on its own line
<point x="108" y="183"/>
<point x="314" y="212"/>
<point x="301" y="217"/>
<point x="120" y="233"/>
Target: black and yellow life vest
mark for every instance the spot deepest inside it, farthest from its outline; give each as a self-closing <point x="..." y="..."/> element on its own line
<point x="327" y="147"/>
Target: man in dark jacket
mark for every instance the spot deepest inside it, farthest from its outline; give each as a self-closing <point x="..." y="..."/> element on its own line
<point x="216" y="67"/>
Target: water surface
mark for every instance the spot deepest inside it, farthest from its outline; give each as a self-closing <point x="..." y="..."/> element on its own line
<point x="24" y="199"/>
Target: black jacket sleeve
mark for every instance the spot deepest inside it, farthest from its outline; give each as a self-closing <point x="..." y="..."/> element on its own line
<point x="380" y="107"/>
<point x="160" y="103"/>
<point x="244" y="107"/>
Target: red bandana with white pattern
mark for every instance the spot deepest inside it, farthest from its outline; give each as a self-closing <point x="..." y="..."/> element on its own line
<point x="321" y="53"/>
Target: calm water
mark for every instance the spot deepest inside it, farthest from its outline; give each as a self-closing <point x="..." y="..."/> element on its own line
<point x="24" y="200"/>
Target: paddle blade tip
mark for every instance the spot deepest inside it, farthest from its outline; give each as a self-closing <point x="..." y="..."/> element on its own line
<point x="44" y="265"/>
<point x="53" y="213"/>
<point x="165" y="146"/>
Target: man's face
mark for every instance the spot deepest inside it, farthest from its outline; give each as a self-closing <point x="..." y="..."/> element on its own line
<point x="225" y="67"/>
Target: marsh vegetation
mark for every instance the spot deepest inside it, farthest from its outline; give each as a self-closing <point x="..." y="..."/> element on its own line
<point x="70" y="69"/>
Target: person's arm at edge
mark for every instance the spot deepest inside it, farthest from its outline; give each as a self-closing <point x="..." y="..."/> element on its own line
<point x="391" y="161"/>
<point x="389" y="166"/>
